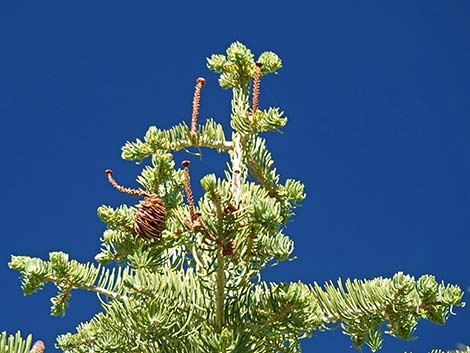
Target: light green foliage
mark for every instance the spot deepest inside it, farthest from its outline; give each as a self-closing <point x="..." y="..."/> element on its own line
<point x="67" y="275"/>
<point x="271" y="62"/>
<point x="236" y="68"/>
<point x="120" y="218"/>
<point x="197" y="286"/>
<point x="259" y="161"/>
<point x="399" y="302"/>
<point x="268" y="120"/>
<point x="156" y="141"/>
<point x="461" y="350"/>
<point x="15" y="344"/>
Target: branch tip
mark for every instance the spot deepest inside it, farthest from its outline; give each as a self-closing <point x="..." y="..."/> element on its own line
<point x="130" y="191"/>
<point x="201" y="81"/>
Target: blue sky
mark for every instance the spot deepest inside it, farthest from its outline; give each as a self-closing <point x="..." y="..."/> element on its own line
<point x="377" y="95"/>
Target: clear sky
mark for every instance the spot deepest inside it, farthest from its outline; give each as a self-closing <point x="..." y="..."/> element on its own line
<point x="377" y="95"/>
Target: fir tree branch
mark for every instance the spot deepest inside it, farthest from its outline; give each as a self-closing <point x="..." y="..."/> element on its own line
<point x="170" y="302"/>
<point x="399" y="302"/>
<point x="216" y="144"/>
<point x="98" y="290"/>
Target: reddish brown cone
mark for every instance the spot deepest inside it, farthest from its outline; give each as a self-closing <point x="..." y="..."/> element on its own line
<point x="150" y="219"/>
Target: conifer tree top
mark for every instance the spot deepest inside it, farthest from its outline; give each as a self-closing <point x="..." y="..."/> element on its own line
<point x="177" y="274"/>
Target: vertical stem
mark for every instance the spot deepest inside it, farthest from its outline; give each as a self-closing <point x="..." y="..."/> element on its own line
<point x="236" y="169"/>
<point x="240" y="101"/>
<point x="220" y="279"/>
<point x="220" y="316"/>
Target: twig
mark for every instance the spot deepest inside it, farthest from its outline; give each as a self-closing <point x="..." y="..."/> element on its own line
<point x="98" y="290"/>
<point x="256" y="86"/>
<point x="196" y="103"/>
<point x="187" y="188"/>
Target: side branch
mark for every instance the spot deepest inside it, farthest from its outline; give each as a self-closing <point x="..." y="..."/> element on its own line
<point x="95" y="289"/>
<point x="219" y="145"/>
